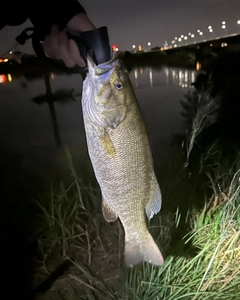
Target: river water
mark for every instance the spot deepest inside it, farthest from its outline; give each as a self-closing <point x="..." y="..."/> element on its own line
<point x="38" y="122"/>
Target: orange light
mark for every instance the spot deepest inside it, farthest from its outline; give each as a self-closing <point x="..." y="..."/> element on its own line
<point x="198" y="66"/>
<point x="114" y="47"/>
<point x="3" y="78"/>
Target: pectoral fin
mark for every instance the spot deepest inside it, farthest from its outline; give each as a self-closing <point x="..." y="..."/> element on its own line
<point x="154" y="204"/>
<point x="106" y="143"/>
<point x="108" y="213"/>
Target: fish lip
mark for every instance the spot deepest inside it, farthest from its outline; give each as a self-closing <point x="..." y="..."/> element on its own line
<point x="90" y="60"/>
<point x="92" y="64"/>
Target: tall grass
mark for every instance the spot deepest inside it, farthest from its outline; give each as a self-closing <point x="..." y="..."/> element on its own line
<point x="214" y="272"/>
<point x="203" y="203"/>
<point x="73" y="228"/>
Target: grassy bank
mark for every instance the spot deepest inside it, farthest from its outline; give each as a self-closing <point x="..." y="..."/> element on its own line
<point x="200" y="242"/>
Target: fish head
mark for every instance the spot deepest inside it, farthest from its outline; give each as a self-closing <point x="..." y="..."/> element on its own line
<point x="109" y="92"/>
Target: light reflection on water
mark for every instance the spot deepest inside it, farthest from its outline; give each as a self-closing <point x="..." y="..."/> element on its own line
<point x="30" y="121"/>
<point x="150" y="77"/>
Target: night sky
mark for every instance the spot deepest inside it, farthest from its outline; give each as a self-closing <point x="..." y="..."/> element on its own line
<point x="139" y="22"/>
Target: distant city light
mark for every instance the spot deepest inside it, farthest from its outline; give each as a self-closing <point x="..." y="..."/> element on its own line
<point x="139" y="48"/>
<point x="209" y="27"/>
<point x="175" y="45"/>
<point x="198" y="30"/>
<point x="189" y="33"/>
<point x="182" y="36"/>
<point x="179" y="39"/>
<point x="223" y="26"/>
<point x="192" y="36"/>
<point x="200" y="33"/>
<point x="175" y="38"/>
<point x="185" y="38"/>
<point x="210" y="30"/>
<point x="224" y="22"/>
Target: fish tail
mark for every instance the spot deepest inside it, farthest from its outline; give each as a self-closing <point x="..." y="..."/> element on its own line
<point x="143" y="250"/>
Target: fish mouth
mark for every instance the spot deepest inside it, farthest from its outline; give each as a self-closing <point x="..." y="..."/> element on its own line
<point x="103" y="67"/>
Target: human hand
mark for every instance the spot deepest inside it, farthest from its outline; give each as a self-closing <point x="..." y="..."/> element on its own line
<point x="56" y="45"/>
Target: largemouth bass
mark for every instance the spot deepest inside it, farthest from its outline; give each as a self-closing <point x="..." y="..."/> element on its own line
<point x="121" y="157"/>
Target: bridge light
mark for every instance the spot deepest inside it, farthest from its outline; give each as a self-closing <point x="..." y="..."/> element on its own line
<point x="189" y="33"/>
<point x="224" y="22"/>
<point x="182" y="36"/>
<point x="192" y="36"/>
<point x="179" y="39"/>
<point x="200" y="33"/>
<point x="185" y="38"/>
<point x="198" y="30"/>
<point x="209" y="27"/>
<point x="211" y="30"/>
<point x="223" y="26"/>
<point x="175" y="38"/>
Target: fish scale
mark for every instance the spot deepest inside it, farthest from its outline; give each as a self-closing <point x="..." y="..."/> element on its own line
<point x="121" y="157"/>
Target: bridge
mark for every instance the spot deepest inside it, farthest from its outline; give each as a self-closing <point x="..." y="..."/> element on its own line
<point x="206" y="49"/>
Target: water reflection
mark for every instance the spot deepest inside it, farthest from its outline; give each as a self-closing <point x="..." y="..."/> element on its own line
<point x="27" y="133"/>
<point x="5" y="78"/>
<point x="50" y="98"/>
<point x="150" y="77"/>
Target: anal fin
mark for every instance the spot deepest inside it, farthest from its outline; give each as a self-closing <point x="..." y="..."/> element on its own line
<point x="155" y="200"/>
<point x="108" y="213"/>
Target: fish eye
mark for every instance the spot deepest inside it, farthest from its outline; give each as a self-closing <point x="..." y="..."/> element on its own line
<point x="118" y="85"/>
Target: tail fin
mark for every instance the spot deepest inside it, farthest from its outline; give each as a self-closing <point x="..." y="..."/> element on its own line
<point x="137" y="251"/>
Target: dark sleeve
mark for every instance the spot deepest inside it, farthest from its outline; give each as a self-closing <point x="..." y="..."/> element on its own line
<point x="42" y="13"/>
<point x="53" y="12"/>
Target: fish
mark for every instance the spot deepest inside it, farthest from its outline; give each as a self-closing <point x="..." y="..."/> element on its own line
<point x="121" y="157"/>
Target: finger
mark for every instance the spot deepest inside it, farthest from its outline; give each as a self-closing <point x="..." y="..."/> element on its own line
<point x="62" y="51"/>
<point x="74" y="54"/>
<point x="50" y="44"/>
